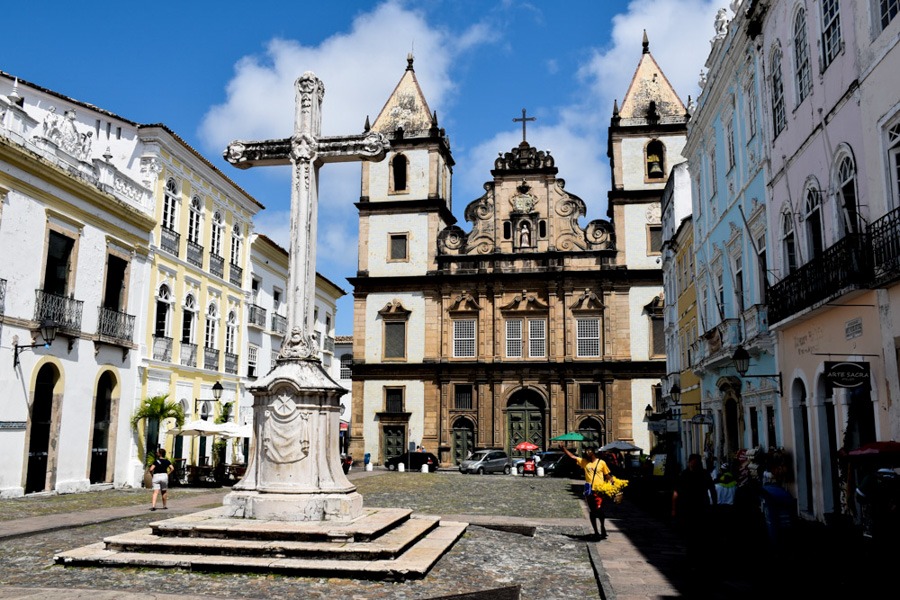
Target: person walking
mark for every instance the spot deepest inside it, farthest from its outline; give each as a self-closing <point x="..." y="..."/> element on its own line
<point x="692" y="508"/>
<point x="160" y="469"/>
<point x="596" y="472"/>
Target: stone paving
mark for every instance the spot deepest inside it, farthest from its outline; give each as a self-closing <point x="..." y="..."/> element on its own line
<point x="554" y="562"/>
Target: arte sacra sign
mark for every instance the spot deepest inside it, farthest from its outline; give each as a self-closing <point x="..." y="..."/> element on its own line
<point x="847" y="374"/>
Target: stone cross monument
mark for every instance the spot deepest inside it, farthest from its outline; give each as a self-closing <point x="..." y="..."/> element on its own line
<point x="294" y="471"/>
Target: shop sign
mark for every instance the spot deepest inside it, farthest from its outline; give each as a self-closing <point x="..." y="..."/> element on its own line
<point x="853" y="328"/>
<point x="702" y="419"/>
<point x="847" y="374"/>
<point x="656" y="426"/>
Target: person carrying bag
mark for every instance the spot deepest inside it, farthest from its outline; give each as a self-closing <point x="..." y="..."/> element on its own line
<point x="592" y="466"/>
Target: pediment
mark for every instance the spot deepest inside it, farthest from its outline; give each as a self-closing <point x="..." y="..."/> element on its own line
<point x="524" y="302"/>
<point x="464" y="302"/>
<point x="588" y="301"/>
<point x="655" y="306"/>
<point x="394" y="310"/>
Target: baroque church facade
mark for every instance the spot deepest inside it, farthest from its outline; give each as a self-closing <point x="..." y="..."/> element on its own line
<point x="526" y="324"/>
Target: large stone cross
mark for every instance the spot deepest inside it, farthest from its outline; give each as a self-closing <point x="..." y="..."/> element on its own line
<point x="307" y="150"/>
<point x="293" y="471"/>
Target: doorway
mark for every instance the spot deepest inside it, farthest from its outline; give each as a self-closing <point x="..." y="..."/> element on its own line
<point x="463" y="438"/>
<point x="525" y="420"/>
<point x="100" y="440"/>
<point x="39" y="474"/>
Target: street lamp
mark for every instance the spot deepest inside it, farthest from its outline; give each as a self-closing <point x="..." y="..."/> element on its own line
<point x="217" y="395"/>
<point x="48" y="333"/>
<point x="741" y="359"/>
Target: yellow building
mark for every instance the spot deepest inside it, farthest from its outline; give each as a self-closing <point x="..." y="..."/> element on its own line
<point x="198" y="293"/>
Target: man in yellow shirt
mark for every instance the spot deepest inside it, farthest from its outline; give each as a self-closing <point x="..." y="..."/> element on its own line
<point x="595" y="473"/>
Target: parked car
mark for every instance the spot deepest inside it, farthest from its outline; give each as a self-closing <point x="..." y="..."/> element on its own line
<point x="486" y="461"/>
<point x="413" y="461"/>
<point x="560" y="465"/>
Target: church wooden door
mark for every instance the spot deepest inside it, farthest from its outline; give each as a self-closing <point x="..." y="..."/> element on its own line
<point x="463" y="436"/>
<point x="525" y="421"/>
<point x="394" y="440"/>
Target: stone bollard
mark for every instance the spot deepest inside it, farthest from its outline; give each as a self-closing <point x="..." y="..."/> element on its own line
<point x="401" y="467"/>
<point x="540" y="471"/>
<point x="368" y="466"/>
<point x="425" y="468"/>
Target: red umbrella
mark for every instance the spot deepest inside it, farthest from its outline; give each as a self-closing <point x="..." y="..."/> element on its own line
<point x="526" y="446"/>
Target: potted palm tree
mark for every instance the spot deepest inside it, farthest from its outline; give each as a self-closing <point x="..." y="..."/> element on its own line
<point x="154" y="410"/>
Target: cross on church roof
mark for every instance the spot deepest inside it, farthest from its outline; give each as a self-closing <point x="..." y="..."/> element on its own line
<point x="523" y="120"/>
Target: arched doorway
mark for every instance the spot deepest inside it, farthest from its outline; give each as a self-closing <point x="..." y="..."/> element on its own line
<point x="100" y="440"/>
<point x="39" y="474"/>
<point x="463" y="439"/>
<point x="525" y="420"/>
<point x="593" y="432"/>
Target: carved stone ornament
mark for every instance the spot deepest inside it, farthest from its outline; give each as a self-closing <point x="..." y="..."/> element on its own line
<point x="452" y="240"/>
<point x="285" y="431"/>
<point x="298" y="347"/>
<point x="524" y="156"/>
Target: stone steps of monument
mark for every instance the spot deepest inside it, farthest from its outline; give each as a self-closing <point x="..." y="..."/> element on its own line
<point x="211" y="523"/>
<point x="386" y="546"/>
<point x="413" y="563"/>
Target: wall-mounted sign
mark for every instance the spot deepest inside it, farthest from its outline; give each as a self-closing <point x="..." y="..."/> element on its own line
<point x="847" y="374"/>
<point x="656" y="426"/>
<point x="853" y="328"/>
<point x="702" y="419"/>
<point x="13" y="424"/>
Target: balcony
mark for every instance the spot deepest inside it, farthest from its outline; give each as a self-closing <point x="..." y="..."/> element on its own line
<point x="279" y="324"/>
<point x="842" y="267"/>
<point x="211" y="359"/>
<point x="235" y="275"/>
<point x="2" y="297"/>
<point x="162" y="348"/>
<point x="885" y="239"/>
<point x="65" y="312"/>
<point x="217" y="265"/>
<point x="257" y="316"/>
<point x="231" y="363"/>
<point x="756" y="321"/>
<point x="195" y="254"/>
<point x="188" y="354"/>
<point x="169" y="240"/>
<point x="329" y="344"/>
<point x="115" y="326"/>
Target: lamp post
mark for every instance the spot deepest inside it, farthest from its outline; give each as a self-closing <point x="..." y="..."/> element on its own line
<point x="741" y="360"/>
<point x="217" y="395"/>
<point x="48" y="333"/>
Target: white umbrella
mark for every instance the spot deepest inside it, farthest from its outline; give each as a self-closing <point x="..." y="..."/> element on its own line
<point x="233" y="430"/>
<point x="199" y="427"/>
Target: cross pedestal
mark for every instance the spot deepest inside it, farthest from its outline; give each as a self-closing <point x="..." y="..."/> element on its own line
<point x="294" y="471"/>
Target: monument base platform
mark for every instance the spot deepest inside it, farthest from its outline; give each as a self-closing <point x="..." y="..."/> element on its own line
<point x="386" y="544"/>
<point x="338" y="507"/>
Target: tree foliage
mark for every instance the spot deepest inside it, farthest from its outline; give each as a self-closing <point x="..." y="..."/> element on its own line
<point x="159" y="408"/>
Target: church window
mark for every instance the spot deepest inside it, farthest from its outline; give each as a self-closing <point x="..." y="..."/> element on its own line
<point x="507" y="230"/>
<point x="393" y="400"/>
<point x="779" y="119"/>
<point x="537" y="338"/>
<point x="831" y="32"/>
<point x="657" y="330"/>
<point x="170" y="204"/>
<point x="815" y="236"/>
<point x="654" y="239"/>
<point x="542" y="229"/>
<point x="462" y="396"/>
<point x="656" y="167"/>
<point x="395" y="340"/>
<point x="589" y="396"/>
<point x="399" y="167"/>
<point x="803" y="81"/>
<point x="789" y="243"/>
<point x="588" y="337"/>
<point x="536" y="341"/>
<point x="464" y="338"/>
<point x="514" y="338"/>
<point x="399" y="247"/>
<point x="847" y="194"/>
<point x="887" y="11"/>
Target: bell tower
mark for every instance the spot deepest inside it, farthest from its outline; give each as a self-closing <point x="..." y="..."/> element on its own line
<point x="646" y="137"/>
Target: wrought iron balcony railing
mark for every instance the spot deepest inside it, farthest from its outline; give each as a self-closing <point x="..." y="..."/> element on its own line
<point x="188" y="354"/>
<point x="162" y="348"/>
<point x="235" y="274"/>
<point x="756" y="321"/>
<point x="115" y="325"/>
<point x="65" y="312"/>
<point x="231" y="363"/>
<point x="169" y="240"/>
<point x="195" y="253"/>
<point x="256" y="316"/>
<point x="211" y="359"/>
<point x="845" y="265"/>
<point x="217" y="265"/>
<point x="885" y="239"/>
<point x="279" y="324"/>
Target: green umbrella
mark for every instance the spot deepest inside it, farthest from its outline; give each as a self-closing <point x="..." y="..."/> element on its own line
<point x="572" y="436"/>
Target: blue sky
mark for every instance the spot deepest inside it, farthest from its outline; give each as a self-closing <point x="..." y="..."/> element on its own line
<point x="218" y="71"/>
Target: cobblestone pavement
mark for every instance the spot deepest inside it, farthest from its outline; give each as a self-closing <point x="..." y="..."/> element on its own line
<point x="554" y="563"/>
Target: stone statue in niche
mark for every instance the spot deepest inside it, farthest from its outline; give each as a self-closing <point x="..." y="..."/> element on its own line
<point x="286" y="431"/>
<point x="524" y="235"/>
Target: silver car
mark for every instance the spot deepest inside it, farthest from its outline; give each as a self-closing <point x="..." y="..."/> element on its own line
<point x="486" y="461"/>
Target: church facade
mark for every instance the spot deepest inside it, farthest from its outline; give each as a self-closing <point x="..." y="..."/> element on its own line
<point x="527" y="323"/>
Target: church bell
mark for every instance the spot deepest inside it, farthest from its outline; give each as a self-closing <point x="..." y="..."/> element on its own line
<point x="654" y="167"/>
